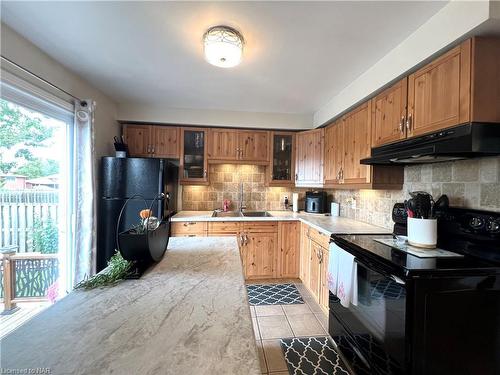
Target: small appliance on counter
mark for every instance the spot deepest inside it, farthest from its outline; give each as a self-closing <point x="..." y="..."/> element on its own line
<point x="315" y="202"/>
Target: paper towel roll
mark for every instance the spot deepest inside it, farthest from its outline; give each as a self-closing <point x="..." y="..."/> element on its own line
<point x="335" y="209"/>
<point x="295" y="202"/>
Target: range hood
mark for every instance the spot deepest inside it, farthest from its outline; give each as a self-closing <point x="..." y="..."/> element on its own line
<point x="462" y="142"/>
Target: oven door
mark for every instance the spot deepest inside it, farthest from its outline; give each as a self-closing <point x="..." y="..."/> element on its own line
<point x="372" y="332"/>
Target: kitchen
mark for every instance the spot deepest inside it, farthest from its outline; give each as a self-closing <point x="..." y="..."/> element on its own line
<point x="367" y="230"/>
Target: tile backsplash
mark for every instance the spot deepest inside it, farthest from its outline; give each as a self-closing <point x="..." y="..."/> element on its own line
<point x="225" y="181"/>
<point x="473" y="183"/>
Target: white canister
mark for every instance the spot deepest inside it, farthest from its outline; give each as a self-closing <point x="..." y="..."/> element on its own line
<point x="335" y="209"/>
<point x="422" y="232"/>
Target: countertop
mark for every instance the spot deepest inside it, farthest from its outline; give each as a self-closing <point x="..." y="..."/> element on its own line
<point x="189" y="314"/>
<point x="326" y="224"/>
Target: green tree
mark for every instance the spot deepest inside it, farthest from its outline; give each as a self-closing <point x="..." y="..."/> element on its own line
<point x="39" y="168"/>
<point x="18" y="127"/>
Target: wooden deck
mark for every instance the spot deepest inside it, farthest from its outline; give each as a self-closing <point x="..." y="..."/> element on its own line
<point x="25" y="312"/>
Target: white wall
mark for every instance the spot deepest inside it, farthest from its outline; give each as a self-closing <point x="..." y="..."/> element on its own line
<point x="22" y="52"/>
<point x="160" y="114"/>
<point x="454" y="21"/>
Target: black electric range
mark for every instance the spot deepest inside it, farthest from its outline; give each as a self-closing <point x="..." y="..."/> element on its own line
<point x="424" y="314"/>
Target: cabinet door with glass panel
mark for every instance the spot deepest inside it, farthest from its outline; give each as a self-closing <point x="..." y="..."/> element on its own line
<point x="282" y="165"/>
<point x="193" y="164"/>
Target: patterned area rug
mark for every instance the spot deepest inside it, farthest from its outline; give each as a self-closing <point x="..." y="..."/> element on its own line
<point x="273" y="294"/>
<point x="312" y="356"/>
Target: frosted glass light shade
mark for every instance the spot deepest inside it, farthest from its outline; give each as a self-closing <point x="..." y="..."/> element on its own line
<point x="223" y="46"/>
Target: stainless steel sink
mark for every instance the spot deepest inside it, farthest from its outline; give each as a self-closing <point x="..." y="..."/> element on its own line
<point x="256" y="214"/>
<point x="226" y="214"/>
<point x="240" y="214"/>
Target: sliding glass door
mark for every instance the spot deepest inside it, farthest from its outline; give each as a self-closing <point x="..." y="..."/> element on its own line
<point x="36" y="184"/>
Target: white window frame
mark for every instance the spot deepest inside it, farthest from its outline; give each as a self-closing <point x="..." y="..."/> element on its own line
<point x="22" y="88"/>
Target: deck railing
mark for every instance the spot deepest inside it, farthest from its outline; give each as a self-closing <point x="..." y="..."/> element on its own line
<point x="27" y="277"/>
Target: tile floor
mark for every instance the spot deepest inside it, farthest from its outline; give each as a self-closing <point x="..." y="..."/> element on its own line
<point x="271" y="323"/>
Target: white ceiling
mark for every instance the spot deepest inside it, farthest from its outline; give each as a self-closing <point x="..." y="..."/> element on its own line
<point x="297" y="55"/>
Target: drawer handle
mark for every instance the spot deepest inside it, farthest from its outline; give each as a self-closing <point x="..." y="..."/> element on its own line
<point x="190" y="223"/>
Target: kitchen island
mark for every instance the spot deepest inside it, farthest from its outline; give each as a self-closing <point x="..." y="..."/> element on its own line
<point x="188" y="314"/>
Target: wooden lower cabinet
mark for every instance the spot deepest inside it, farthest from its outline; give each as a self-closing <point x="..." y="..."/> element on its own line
<point x="314" y="263"/>
<point x="314" y="270"/>
<point x="289" y="249"/>
<point x="223" y="228"/>
<point x="189" y="229"/>
<point x="258" y="255"/>
<point x="259" y="250"/>
<point x="305" y="251"/>
<point x="324" y="292"/>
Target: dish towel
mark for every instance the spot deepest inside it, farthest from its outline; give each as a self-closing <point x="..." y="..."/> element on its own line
<point x="343" y="275"/>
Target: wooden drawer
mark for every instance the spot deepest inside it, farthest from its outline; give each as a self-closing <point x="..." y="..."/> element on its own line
<point x="189" y="228"/>
<point x="223" y="228"/>
<point x="260" y="227"/>
<point x="319" y="237"/>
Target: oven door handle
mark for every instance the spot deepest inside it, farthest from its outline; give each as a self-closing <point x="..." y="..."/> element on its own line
<point x="394" y="278"/>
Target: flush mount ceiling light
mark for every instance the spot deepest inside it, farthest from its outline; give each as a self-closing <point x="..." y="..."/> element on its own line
<point x="223" y="46"/>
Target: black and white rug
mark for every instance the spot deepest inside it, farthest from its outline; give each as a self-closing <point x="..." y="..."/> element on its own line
<point x="312" y="356"/>
<point x="273" y="294"/>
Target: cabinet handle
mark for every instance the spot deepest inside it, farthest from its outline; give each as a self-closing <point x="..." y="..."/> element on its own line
<point x="296" y="176"/>
<point x="190" y="223"/>
<point x="148" y="149"/>
<point x="205" y="173"/>
<point x="402" y="124"/>
<point x="246" y="239"/>
<point x="152" y="149"/>
<point x="409" y="122"/>
<point x="241" y="240"/>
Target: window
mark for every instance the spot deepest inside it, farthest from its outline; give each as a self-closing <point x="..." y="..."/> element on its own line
<point x="36" y="183"/>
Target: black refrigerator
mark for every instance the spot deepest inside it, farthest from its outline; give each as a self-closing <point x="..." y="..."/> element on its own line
<point x="121" y="179"/>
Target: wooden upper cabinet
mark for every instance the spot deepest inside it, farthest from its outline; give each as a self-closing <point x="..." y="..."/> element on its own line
<point x="238" y="146"/>
<point x="309" y="158"/>
<point x="439" y="93"/>
<point x="138" y="139"/>
<point x="347" y="141"/>
<point x="281" y="169"/>
<point x="166" y="142"/>
<point x="334" y="151"/>
<point x="193" y="168"/>
<point x="253" y="145"/>
<point x="152" y="141"/>
<point x="223" y="144"/>
<point x="357" y="135"/>
<point x="389" y="114"/>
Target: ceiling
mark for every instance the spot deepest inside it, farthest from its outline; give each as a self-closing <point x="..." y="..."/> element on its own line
<point x="297" y="55"/>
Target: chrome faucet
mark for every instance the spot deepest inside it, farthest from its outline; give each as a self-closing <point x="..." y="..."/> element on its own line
<point x="240" y="201"/>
